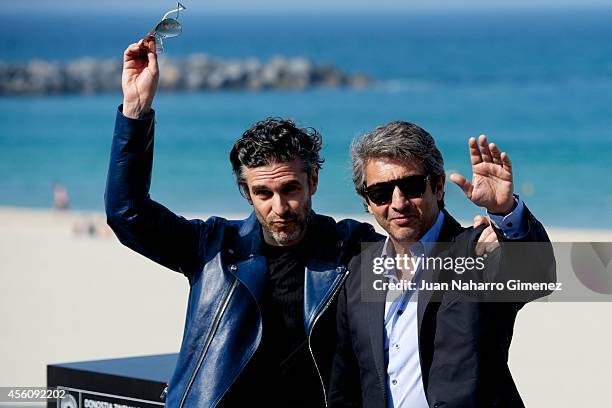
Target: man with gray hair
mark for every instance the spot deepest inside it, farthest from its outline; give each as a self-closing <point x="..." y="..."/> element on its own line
<point x="445" y="347"/>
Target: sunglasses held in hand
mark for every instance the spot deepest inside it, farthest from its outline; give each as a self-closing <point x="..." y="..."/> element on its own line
<point x="167" y="28"/>
<point x="411" y="187"/>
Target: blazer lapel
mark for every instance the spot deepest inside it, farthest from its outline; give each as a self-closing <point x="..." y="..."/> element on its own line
<point x="450" y="229"/>
<point x="425" y="304"/>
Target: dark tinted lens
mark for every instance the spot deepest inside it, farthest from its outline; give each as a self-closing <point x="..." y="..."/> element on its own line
<point x="413" y="186"/>
<point x="381" y="193"/>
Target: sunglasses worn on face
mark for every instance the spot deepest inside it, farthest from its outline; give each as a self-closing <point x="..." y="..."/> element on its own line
<point x="411" y="187"/>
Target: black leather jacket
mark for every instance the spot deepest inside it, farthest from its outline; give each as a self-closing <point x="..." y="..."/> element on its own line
<point x="225" y="270"/>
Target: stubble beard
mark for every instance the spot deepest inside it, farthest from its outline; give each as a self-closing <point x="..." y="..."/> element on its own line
<point x="289" y="234"/>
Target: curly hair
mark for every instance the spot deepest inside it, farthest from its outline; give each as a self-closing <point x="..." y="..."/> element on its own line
<point x="275" y="140"/>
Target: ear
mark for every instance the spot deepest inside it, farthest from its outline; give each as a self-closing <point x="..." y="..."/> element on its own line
<point x="440" y="187"/>
<point x="314" y="181"/>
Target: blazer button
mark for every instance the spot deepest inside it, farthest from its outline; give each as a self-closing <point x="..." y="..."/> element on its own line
<point x="233" y="268"/>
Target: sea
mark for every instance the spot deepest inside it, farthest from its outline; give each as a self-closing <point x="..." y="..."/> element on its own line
<point x="536" y="82"/>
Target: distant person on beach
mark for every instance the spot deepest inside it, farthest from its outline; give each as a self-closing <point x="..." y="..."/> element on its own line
<point x="429" y="346"/>
<point x="60" y="197"/>
<point x="260" y="327"/>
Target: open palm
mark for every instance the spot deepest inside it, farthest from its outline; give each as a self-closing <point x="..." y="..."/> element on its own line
<point x="492" y="184"/>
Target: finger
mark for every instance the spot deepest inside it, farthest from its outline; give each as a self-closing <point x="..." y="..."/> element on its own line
<point x="133" y="51"/>
<point x="153" y="67"/>
<point x="480" y="248"/>
<point x="484" y="240"/>
<point x="496" y="154"/>
<point x="492" y="242"/>
<point x="144" y="41"/>
<point x="475" y="155"/>
<point x="490" y="235"/>
<point x="463" y="183"/>
<point x="480" y="220"/>
<point x="481" y="245"/>
<point x="486" y="235"/>
<point x="137" y="45"/>
<point x="484" y="149"/>
<point x="507" y="164"/>
<point x="149" y="43"/>
<point x="491" y="247"/>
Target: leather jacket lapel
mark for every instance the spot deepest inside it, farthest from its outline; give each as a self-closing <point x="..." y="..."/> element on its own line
<point x="320" y="282"/>
<point x="248" y="266"/>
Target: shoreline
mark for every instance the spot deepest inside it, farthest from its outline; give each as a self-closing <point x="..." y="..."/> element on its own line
<point x="79" y="219"/>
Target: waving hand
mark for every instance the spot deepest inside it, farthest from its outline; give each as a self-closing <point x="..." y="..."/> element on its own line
<point x="492" y="184"/>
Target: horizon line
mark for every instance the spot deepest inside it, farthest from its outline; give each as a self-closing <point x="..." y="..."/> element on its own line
<point x="318" y="8"/>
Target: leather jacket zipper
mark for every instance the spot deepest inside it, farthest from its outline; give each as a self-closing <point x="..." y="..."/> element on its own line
<point x="215" y="325"/>
<point x="335" y="291"/>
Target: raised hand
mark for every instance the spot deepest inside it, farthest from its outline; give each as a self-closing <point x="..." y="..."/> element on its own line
<point x="492" y="185"/>
<point x="139" y="78"/>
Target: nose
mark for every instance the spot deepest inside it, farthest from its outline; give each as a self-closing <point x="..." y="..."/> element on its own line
<point x="279" y="204"/>
<point x="399" y="202"/>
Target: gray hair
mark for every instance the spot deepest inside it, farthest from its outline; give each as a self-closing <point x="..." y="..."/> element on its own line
<point x="397" y="140"/>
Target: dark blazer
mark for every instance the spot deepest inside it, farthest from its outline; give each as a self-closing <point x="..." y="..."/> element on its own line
<point x="463" y="343"/>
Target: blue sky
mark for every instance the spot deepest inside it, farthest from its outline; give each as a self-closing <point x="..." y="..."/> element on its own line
<point x="314" y="5"/>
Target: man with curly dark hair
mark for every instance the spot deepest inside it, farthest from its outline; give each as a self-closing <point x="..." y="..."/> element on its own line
<point x="260" y="326"/>
<point x="276" y="149"/>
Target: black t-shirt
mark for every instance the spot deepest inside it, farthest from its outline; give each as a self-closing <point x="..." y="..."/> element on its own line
<point x="282" y="372"/>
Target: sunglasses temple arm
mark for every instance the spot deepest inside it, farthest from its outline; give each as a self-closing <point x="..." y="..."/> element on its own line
<point x="179" y="7"/>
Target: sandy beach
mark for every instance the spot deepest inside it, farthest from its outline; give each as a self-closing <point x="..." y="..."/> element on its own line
<point x="71" y="292"/>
